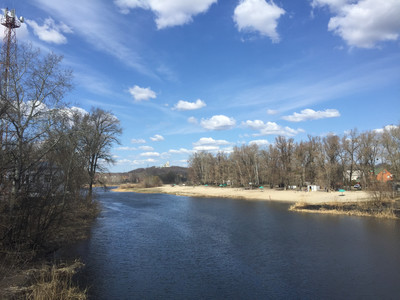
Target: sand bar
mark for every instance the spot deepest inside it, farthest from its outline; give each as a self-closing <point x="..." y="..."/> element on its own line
<point x="256" y="194"/>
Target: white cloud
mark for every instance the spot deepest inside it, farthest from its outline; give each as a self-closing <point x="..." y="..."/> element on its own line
<point x="181" y="151"/>
<point x="150" y="154"/>
<point x="258" y="15"/>
<point x="89" y="18"/>
<point x="146" y="148"/>
<point x="185" y="105"/>
<point x="138" y="141"/>
<point x="50" y="32"/>
<point x="210" y="142"/>
<point x="259" y="142"/>
<point x="206" y="148"/>
<point x="272" y="111"/>
<point x="386" y="128"/>
<point x="124" y="162"/>
<point x="309" y="114"/>
<point x="157" y="138"/>
<point x="192" y="120"/>
<point x="168" y="12"/>
<point x="126" y="148"/>
<point x="218" y="122"/>
<point x="140" y="94"/>
<point x="79" y="110"/>
<point x="270" y="128"/>
<point x="334" y="5"/>
<point x="363" y="23"/>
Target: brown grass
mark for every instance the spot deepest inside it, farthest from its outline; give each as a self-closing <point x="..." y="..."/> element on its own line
<point x="55" y="282"/>
<point x="378" y="209"/>
<point x="46" y="283"/>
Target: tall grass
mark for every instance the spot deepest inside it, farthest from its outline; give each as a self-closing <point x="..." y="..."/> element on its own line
<point x="55" y="282"/>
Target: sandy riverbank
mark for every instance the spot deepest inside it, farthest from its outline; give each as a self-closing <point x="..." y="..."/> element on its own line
<point x="256" y="194"/>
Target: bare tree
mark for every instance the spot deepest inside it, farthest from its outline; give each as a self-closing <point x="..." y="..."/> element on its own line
<point x="36" y="85"/>
<point x="350" y="144"/>
<point x="368" y="154"/>
<point x="391" y="145"/>
<point x="286" y="150"/>
<point x="329" y="161"/>
<point x="99" y="132"/>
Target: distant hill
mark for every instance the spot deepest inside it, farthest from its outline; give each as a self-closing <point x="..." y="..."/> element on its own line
<point x="173" y="174"/>
<point x="168" y="175"/>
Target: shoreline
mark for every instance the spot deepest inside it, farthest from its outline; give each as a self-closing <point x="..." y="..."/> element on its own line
<point x="266" y="194"/>
<point x="351" y="203"/>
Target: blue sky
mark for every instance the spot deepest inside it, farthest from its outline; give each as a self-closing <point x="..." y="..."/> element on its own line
<point x="190" y="75"/>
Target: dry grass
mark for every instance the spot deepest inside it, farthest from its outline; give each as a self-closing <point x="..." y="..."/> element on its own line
<point x="47" y="283"/>
<point x="55" y="282"/>
<point x="376" y="209"/>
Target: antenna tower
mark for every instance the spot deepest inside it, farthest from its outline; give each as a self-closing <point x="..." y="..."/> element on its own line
<point x="9" y="47"/>
<point x="8" y="59"/>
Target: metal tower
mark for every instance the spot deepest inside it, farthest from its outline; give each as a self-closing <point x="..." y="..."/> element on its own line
<point x="9" y="47"/>
<point x="8" y="59"/>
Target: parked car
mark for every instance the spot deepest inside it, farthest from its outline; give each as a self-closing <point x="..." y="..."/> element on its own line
<point x="357" y="186"/>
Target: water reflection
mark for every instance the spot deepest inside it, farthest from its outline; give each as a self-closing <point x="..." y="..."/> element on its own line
<point x="168" y="247"/>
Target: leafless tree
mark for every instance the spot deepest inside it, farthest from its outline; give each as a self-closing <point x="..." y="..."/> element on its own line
<point x="36" y="86"/>
<point x="285" y="148"/>
<point x="350" y="144"/>
<point x="329" y="161"/>
<point x="391" y="148"/>
<point x="99" y="131"/>
<point x="368" y="155"/>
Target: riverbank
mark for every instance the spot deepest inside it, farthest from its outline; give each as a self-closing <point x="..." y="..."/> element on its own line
<point x="265" y="194"/>
<point x="377" y="209"/>
<point x="357" y="203"/>
<point x="33" y="273"/>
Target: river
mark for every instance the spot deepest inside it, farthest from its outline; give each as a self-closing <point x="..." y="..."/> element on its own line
<point x="156" y="246"/>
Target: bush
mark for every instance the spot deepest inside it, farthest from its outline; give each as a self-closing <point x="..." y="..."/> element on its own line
<point x="151" y="181"/>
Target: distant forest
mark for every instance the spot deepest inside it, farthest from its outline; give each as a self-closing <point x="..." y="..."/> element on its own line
<point x="166" y="175"/>
<point x="331" y="162"/>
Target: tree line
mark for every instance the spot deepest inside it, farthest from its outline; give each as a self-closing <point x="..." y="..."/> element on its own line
<point x="330" y="162"/>
<point x="50" y="152"/>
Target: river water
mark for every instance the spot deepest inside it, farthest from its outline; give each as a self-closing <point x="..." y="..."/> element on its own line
<point x="155" y="246"/>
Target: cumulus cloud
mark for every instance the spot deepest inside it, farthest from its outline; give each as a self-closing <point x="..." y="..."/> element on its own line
<point x="67" y="111"/>
<point x="218" y="122"/>
<point x="309" y="114"/>
<point x="138" y="141"/>
<point x="210" y="141"/>
<point x="142" y="94"/>
<point x="185" y="105"/>
<point x="181" y="151"/>
<point x="150" y="154"/>
<point x="259" y="142"/>
<point x="363" y="23"/>
<point x="168" y="12"/>
<point x="386" y="128"/>
<point x="134" y="162"/>
<point x="157" y="138"/>
<point x="146" y="148"/>
<point x="270" y="128"/>
<point x="260" y="16"/>
<point x="50" y="32"/>
<point x="126" y="148"/>
<point x="209" y="144"/>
